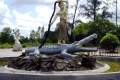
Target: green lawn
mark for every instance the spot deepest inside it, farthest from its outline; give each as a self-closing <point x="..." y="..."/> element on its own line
<point x="114" y="66"/>
<point x="24" y="45"/>
<point x="6" y="45"/>
<point x="3" y="63"/>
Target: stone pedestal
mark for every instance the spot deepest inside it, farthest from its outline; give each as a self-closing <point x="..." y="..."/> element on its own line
<point x="17" y="46"/>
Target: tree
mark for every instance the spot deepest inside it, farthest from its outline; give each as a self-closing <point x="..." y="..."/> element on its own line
<point x="105" y="14"/>
<point x="91" y="10"/>
<point x="24" y="39"/>
<point x="74" y="15"/>
<point x="32" y="36"/>
<point x="6" y="36"/>
<point x="117" y="32"/>
<point x="37" y="33"/>
<point x="50" y="38"/>
<point x="7" y="30"/>
<point x="100" y="26"/>
<point x="35" y="36"/>
<point x="80" y="31"/>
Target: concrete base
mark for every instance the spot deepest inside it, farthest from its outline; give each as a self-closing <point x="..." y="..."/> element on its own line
<point x="11" y="74"/>
<point x="102" y="68"/>
<point x="17" y="46"/>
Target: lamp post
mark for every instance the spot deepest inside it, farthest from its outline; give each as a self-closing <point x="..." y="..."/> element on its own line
<point x="116" y="14"/>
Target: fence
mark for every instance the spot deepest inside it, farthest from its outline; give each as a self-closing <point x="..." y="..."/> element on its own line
<point x="103" y="52"/>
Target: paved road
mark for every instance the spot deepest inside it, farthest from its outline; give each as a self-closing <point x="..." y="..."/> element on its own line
<point x="9" y="53"/>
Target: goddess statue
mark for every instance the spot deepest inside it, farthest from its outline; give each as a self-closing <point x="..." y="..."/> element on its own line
<point x="17" y="46"/>
<point x="62" y="25"/>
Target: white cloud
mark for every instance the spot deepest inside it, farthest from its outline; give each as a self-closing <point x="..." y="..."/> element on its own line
<point x="5" y="15"/>
<point x="25" y="22"/>
<point x="43" y="14"/>
<point x="3" y="8"/>
<point x="32" y="2"/>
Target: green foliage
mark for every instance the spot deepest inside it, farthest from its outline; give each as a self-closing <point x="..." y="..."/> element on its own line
<point x="117" y="32"/>
<point x="52" y="37"/>
<point x="6" y="36"/>
<point x="81" y="29"/>
<point x="109" y="42"/>
<point x="5" y="45"/>
<point x="28" y="44"/>
<point x="35" y="36"/>
<point x="93" y="8"/>
<point x="24" y="39"/>
<point x="99" y="26"/>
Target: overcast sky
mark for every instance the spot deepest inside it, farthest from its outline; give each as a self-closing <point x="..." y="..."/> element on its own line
<point x="27" y="15"/>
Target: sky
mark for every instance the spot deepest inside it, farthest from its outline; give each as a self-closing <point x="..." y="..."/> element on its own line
<point x="27" y="15"/>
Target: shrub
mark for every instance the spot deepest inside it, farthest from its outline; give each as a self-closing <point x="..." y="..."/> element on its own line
<point x="109" y="42"/>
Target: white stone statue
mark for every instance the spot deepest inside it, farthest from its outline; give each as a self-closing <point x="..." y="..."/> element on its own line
<point x="63" y="12"/>
<point x="17" y="46"/>
<point x="62" y="26"/>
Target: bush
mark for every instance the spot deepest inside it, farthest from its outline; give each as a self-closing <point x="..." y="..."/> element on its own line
<point x="109" y="42"/>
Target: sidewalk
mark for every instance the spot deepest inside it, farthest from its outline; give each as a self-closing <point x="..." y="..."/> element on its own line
<point x="9" y="53"/>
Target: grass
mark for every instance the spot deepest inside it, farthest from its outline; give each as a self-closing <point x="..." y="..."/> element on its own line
<point x="25" y="45"/>
<point x="6" y="45"/>
<point x="3" y="62"/>
<point x="114" y="66"/>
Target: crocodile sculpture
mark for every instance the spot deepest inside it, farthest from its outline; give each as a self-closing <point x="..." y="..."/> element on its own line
<point x="63" y="48"/>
